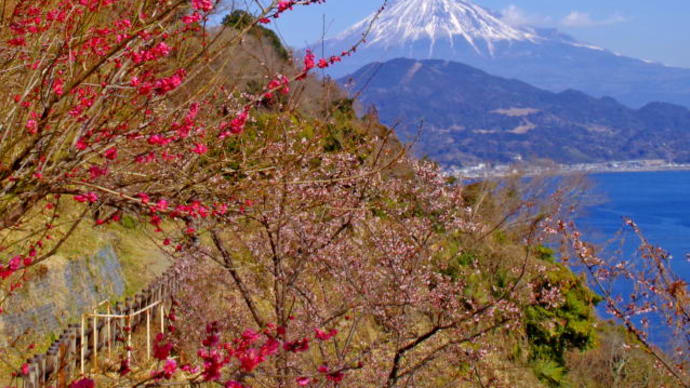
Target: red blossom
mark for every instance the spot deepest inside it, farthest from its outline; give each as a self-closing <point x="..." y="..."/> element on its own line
<point x="162" y="205"/>
<point x="236" y="126"/>
<point x="18" y="41"/>
<point x="250" y="336"/>
<point x="83" y="383"/>
<point x="58" y="85"/>
<point x="297" y="346"/>
<point x="284" y="5"/>
<point x="167" y="84"/>
<point x="124" y="367"/>
<point x="89" y="197"/>
<point x="193" y="18"/>
<point x="270" y="348"/>
<point x="161" y="351"/>
<point x="111" y="153"/>
<point x="200" y="148"/>
<point x="144" y="197"/>
<point x="325" y="336"/>
<point x="336" y="377"/>
<point x="32" y="126"/>
<point x="169" y="369"/>
<point x="202" y="5"/>
<point x="97" y="171"/>
<point x="309" y="58"/>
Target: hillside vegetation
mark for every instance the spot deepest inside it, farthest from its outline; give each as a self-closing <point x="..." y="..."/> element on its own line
<point x="314" y="250"/>
<point x="481" y="118"/>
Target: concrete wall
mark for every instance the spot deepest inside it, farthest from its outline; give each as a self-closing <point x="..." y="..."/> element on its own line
<point x="68" y="288"/>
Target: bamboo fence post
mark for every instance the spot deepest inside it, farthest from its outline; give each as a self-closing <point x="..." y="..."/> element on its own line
<point x="123" y="323"/>
<point x="94" y="353"/>
<point x="135" y="307"/>
<point x="62" y="354"/>
<point x="37" y="369"/>
<point x="148" y="333"/>
<point x="151" y="300"/>
<point x="138" y="299"/>
<point x="164" y="286"/>
<point x="128" y="330"/>
<point x="109" y="332"/>
<point x="162" y="314"/>
<point x="34" y="370"/>
<point x="53" y="361"/>
<point x="129" y="339"/>
<point x="82" y="344"/>
<point x="117" y="329"/>
<point x="159" y="297"/>
<point x="72" y="355"/>
<point x="30" y="377"/>
<point x="41" y="370"/>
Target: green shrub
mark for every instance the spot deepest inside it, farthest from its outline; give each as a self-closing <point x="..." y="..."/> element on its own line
<point x="550" y="372"/>
<point x="129" y="222"/>
<point x="553" y="330"/>
<point x="240" y="20"/>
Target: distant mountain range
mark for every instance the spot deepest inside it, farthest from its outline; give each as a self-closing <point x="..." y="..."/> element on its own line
<point x="468" y="116"/>
<point x="461" y="31"/>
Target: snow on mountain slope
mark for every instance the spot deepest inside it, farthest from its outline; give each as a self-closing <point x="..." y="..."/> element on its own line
<point x="407" y="21"/>
<point x="458" y="30"/>
<point x="462" y="31"/>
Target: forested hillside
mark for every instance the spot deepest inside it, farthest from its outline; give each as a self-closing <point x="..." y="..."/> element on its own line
<point x="466" y="116"/>
<point x="311" y="248"/>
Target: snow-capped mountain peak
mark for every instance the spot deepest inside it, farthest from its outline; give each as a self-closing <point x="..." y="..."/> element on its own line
<point x="462" y="31"/>
<point x="452" y="21"/>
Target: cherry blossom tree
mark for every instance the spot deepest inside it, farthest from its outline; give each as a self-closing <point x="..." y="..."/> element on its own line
<point x="337" y="246"/>
<point x="112" y="107"/>
<point x="109" y="104"/>
<point x="637" y="287"/>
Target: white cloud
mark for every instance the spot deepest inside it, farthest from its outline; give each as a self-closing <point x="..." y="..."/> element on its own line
<point x="515" y="16"/>
<point x="584" y="19"/>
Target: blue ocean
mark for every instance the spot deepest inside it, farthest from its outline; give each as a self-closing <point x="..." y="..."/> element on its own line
<point x="659" y="202"/>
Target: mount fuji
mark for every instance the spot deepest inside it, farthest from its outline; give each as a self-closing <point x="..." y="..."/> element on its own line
<point x="462" y="31"/>
<point x="437" y="27"/>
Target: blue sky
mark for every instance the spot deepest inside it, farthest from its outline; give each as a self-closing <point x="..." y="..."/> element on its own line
<point x="653" y="30"/>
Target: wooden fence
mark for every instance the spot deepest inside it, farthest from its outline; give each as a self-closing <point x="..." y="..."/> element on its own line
<point x="69" y="354"/>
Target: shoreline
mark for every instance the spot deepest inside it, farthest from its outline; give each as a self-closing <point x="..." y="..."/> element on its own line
<point x="633" y="166"/>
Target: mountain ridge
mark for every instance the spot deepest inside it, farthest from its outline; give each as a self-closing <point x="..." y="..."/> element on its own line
<point x="471" y="116"/>
<point x="546" y="58"/>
